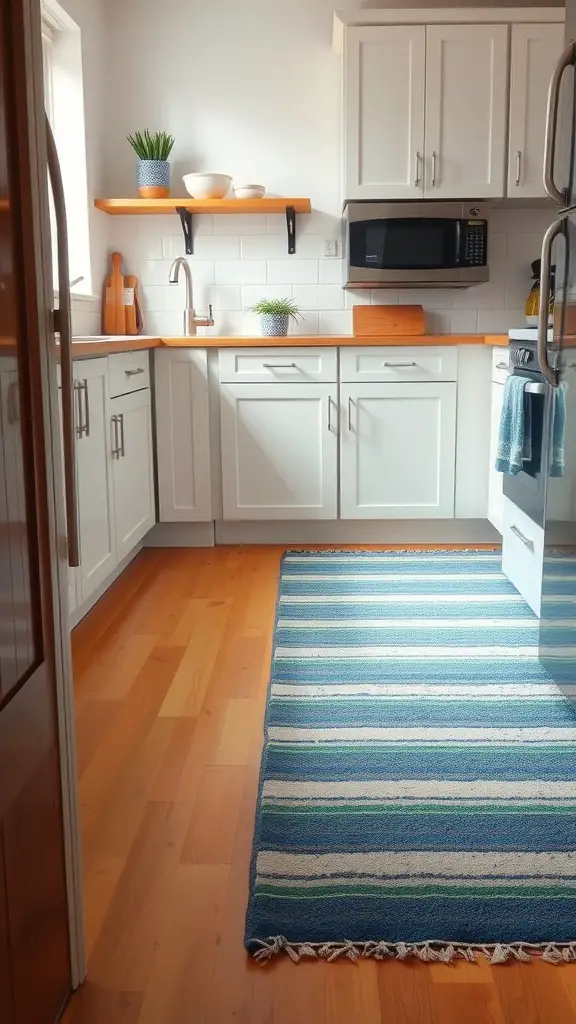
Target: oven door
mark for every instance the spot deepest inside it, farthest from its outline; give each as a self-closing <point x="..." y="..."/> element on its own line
<point x="527" y="490"/>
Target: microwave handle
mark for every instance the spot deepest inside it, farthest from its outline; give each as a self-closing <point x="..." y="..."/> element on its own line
<point x="458" y="241"/>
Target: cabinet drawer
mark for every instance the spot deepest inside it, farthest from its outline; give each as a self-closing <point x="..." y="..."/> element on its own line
<point x="523" y="553"/>
<point x="278" y="365"/>
<point x="398" y="364"/>
<point x="500" y="365"/>
<point x="128" y="371"/>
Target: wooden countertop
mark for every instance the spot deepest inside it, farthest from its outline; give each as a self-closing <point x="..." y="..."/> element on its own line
<point x="108" y="347"/>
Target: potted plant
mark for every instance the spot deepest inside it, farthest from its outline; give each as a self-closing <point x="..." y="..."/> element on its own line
<point x="275" y="316"/>
<point x="153" y="169"/>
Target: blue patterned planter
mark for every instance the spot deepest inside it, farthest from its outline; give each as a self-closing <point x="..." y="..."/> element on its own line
<point x="274" y="325"/>
<point x="153" y="174"/>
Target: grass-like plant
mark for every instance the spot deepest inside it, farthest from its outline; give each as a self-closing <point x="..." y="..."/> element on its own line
<point x="277" y="307"/>
<point x="151" y="147"/>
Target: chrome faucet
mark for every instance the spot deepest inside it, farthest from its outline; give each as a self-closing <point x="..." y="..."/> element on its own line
<point x="191" y="321"/>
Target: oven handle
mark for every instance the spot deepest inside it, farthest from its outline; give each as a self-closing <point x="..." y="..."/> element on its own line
<point x="535" y="389"/>
<point x="554" y="230"/>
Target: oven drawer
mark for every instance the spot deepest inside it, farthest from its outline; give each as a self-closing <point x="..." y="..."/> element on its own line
<point x="128" y="371"/>
<point x="500" y="365"/>
<point x="523" y="554"/>
<point x="278" y="365"/>
<point x="400" y="363"/>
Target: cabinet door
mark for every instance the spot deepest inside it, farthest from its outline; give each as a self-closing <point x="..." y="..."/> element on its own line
<point x="495" y="492"/>
<point x="384" y="73"/>
<point x="94" y="477"/>
<point x="466" y="110"/>
<point x="133" y="469"/>
<point x="279" y="451"/>
<point x="183" y="436"/>
<point x="535" y="50"/>
<point x="398" y="451"/>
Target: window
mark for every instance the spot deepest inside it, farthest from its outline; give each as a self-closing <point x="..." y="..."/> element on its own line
<point x="64" y="100"/>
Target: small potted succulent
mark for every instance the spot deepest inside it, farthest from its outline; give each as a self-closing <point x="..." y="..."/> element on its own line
<point x="152" y="169"/>
<point x="275" y="316"/>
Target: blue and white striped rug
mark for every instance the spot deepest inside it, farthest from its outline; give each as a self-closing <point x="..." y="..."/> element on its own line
<point x="418" y="783"/>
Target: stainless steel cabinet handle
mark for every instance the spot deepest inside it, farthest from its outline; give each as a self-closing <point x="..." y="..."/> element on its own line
<point x="554" y="230"/>
<point x="518" y="166"/>
<point x="122" y="446"/>
<point x="63" y="325"/>
<point x="329" y="414"/>
<point x="417" y="177"/>
<point x="566" y="59"/>
<point x="116" y="440"/>
<point x="502" y="366"/>
<point x="280" y="366"/>
<point x="78" y="417"/>
<point x="83" y="428"/>
<point x="134" y="373"/>
<point x="350" y="408"/>
<point x="433" y="167"/>
<point x="399" y="366"/>
<point x="525" y="540"/>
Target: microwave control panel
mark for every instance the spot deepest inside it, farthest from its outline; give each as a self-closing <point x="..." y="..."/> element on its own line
<point x="475" y="253"/>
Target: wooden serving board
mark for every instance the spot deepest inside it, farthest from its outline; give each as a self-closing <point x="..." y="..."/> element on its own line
<point x="380" y="321"/>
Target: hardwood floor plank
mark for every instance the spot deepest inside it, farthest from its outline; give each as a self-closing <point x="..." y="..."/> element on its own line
<point x="172" y="668"/>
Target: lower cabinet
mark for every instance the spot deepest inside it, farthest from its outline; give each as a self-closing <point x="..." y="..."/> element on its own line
<point x="495" y="492"/>
<point x="279" y="451"/>
<point x="132" y="469"/>
<point x="398" y="449"/>
<point x="94" y="475"/>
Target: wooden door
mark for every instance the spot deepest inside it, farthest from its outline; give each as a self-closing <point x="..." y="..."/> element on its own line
<point x="535" y="51"/>
<point x="35" y="960"/>
<point x="384" y="73"/>
<point x="94" y="475"/>
<point x="183" y="436"/>
<point x="398" y="451"/>
<point x="466" y="110"/>
<point x="279" y="451"/>
<point x="132" y="469"/>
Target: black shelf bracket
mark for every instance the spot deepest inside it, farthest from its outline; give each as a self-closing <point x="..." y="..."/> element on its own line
<point x="186" y="219"/>
<point x="291" y="228"/>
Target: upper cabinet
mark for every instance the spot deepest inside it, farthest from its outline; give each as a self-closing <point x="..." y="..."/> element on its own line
<point x="447" y="111"/>
<point x="465" y="124"/>
<point x="384" y="84"/>
<point x="535" y="51"/>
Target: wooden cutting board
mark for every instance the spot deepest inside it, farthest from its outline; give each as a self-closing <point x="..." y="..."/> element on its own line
<point x="383" y="321"/>
<point x="114" y="316"/>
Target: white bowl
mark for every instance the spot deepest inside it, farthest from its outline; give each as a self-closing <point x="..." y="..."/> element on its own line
<point x="207" y="186"/>
<point x="249" y="191"/>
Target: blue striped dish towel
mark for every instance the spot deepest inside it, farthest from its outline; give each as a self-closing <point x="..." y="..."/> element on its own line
<point x="558" y="462"/>
<point x="510" y="451"/>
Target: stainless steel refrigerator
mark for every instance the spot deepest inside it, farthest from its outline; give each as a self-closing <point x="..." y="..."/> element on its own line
<point x="557" y="360"/>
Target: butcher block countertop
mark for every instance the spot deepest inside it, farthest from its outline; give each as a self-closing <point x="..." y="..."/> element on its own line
<point x="95" y="347"/>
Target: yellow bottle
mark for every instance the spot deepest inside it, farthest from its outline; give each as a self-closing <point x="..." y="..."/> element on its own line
<point x="533" y="300"/>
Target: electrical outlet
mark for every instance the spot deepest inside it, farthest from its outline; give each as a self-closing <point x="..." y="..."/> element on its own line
<point x="331" y="247"/>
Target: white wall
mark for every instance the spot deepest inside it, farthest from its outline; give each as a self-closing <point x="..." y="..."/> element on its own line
<point x="253" y="89"/>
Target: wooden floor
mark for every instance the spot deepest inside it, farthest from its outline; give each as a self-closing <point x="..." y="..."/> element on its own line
<point x="171" y="674"/>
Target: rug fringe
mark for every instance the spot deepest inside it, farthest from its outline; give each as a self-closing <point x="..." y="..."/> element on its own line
<point x="429" y="952"/>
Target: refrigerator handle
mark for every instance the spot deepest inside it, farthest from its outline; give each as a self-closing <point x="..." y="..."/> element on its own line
<point x="554" y="230"/>
<point x="567" y="58"/>
<point x="63" y="325"/>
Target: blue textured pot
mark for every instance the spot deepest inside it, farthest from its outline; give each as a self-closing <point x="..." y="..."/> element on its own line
<point x="153" y="174"/>
<point x="274" y="325"/>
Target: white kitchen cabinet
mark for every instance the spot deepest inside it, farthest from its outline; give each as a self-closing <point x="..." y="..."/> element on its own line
<point x="384" y="81"/>
<point x="398" y="451"/>
<point x="132" y="468"/>
<point x="466" y="110"/>
<point x="183" y="436"/>
<point x="279" y="451"/>
<point x="535" y="51"/>
<point x="94" y="475"/>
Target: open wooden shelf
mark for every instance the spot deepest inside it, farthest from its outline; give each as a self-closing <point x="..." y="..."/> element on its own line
<point x="268" y="204"/>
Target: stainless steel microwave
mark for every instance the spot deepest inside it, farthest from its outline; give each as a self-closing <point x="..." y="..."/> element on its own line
<point x="403" y="245"/>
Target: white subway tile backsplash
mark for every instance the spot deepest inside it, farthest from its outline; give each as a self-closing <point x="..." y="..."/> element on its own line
<point x="335" y="321"/>
<point x="292" y="271"/>
<point x="251" y="294"/>
<point x="226" y="297"/>
<point x="429" y="298"/>
<point x="489" y="295"/>
<point x="307" y="323"/>
<point x="264" y="247"/>
<point x="452" y="321"/>
<point x="217" y="247"/>
<point x="240" y="224"/>
<point x="384" y="297"/>
<point x="241" y="272"/>
<point x="306" y="296"/>
<point x="309" y="246"/>
<point x="167" y="323"/>
<point x="330" y="296"/>
<point x="500" y="321"/>
<point x="331" y="271"/>
<point x="357" y="297"/>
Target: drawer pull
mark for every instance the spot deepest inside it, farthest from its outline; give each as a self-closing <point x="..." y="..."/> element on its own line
<point x="280" y="366"/>
<point x="134" y="373"/>
<point x="399" y="366"/>
<point x="501" y="366"/>
<point x="525" y="540"/>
